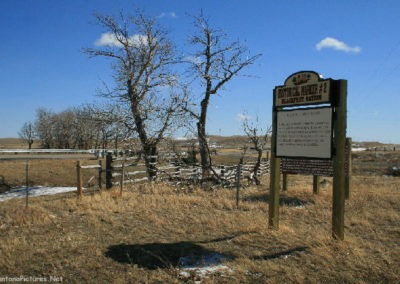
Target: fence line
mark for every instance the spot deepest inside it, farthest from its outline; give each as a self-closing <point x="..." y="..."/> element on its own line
<point x="135" y="172"/>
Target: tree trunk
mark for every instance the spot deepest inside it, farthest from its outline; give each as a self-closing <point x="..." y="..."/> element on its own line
<point x="204" y="155"/>
<point x="257" y="166"/>
<point x="149" y="148"/>
<point x="201" y="133"/>
<point x="150" y="153"/>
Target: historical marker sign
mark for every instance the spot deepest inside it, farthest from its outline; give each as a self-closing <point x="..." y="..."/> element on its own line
<point x="304" y="133"/>
<point x="303" y="88"/>
<point x="301" y="130"/>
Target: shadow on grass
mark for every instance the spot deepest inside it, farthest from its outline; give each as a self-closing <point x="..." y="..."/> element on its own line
<point x="289" y="252"/>
<point x="162" y="255"/>
<point x="283" y="200"/>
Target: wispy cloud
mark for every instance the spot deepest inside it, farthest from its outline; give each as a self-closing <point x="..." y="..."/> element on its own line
<point x="330" y="42"/>
<point x="109" y="39"/>
<point x="167" y="14"/>
<point x="243" y="117"/>
<point x="192" y="59"/>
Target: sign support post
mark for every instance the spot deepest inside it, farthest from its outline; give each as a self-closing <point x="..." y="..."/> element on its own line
<point x="339" y="160"/>
<point x="316" y="184"/>
<point x="275" y="177"/>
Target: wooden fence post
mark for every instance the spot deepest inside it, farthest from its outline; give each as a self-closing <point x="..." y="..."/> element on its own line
<point x="100" y="173"/>
<point x="238" y="174"/>
<point x="122" y="176"/>
<point x="349" y="166"/>
<point x="79" y="178"/>
<point x="222" y="174"/>
<point x="109" y="170"/>
<point x="27" y="183"/>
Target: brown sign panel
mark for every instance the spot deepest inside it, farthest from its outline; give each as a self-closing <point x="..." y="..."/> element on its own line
<point x="303" y="88"/>
<point x="314" y="167"/>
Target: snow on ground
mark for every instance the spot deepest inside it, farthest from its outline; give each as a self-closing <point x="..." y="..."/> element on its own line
<point x="20" y="192"/>
<point x="358" y="149"/>
<point x="208" y="264"/>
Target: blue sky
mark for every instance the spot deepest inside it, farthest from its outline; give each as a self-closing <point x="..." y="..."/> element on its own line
<point x="41" y="63"/>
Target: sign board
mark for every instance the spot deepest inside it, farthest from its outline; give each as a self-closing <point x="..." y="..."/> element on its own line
<point x="301" y="131"/>
<point x="307" y="167"/>
<point x="315" y="167"/>
<point x="303" y="88"/>
<point x="304" y="133"/>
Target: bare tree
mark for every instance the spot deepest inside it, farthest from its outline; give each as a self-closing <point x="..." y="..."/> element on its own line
<point x="86" y="129"/>
<point x="142" y="59"/>
<point x="258" y="137"/>
<point x="27" y="133"/>
<point x="215" y="63"/>
<point x="44" y="127"/>
<point x="108" y="121"/>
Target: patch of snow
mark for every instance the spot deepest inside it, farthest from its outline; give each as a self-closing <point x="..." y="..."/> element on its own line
<point x="202" y="272"/>
<point x="204" y="266"/>
<point x="20" y="192"/>
<point x="358" y="149"/>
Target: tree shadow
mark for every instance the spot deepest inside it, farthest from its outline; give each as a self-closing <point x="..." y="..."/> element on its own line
<point x="163" y="255"/>
<point x="283" y="200"/>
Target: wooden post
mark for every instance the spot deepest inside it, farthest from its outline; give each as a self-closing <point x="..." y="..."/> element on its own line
<point x="122" y="177"/>
<point x="349" y="166"/>
<point x="284" y="182"/>
<point x="238" y="174"/>
<point x="275" y="176"/>
<point x="339" y="159"/>
<point x="27" y="183"/>
<point x="79" y="178"/>
<point x="100" y="173"/>
<point x="222" y="174"/>
<point x="316" y="185"/>
<point x="109" y="170"/>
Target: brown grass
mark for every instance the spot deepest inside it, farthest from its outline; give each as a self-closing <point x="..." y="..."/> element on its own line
<point x="139" y="237"/>
<point x="17" y="143"/>
<point x="45" y="172"/>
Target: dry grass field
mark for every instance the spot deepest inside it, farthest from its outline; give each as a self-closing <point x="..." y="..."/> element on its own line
<point x="151" y="232"/>
<point x="16" y="143"/>
<point x="141" y="236"/>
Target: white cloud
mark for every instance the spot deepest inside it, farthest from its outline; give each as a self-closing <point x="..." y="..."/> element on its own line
<point x="109" y="39"/>
<point x="243" y="117"/>
<point x="330" y="42"/>
<point x="168" y="14"/>
<point x="192" y="59"/>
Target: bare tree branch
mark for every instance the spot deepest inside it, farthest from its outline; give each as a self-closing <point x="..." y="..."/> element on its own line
<point x="141" y="55"/>
<point x="217" y="61"/>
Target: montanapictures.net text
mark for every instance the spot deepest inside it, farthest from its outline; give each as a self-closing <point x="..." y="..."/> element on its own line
<point x="30" y="279"/>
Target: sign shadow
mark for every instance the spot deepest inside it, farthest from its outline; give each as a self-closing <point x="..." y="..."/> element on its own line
<point x="165" y="255"/>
